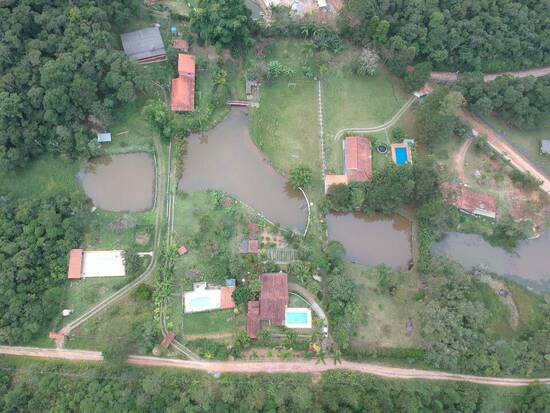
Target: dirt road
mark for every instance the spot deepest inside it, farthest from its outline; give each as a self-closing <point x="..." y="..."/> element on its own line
<point x="499" y="144"/>
<point x="307" y="367"/>
<point x="459" y="160"/>
<point x="453" y="76"/>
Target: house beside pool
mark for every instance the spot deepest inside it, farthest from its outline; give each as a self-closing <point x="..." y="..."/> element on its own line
<point x="357" y="162"/>
<point x="272" y="307"/>
<point x="205" y="298"/>
<point x="90" y="264"/>
<point x="470" y="201"/>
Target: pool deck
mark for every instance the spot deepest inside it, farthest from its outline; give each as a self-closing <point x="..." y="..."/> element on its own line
<point x="403" y="145"/>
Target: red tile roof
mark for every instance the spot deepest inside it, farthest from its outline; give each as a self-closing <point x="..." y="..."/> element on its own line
<point x="358" y="159"/>
<point x="253" y="325"/>
<point x="75" y="264"/>
<point x="182" y="250"/>
<point x="227" y="298"/>
<point x="253" y="246"/>
<point x="183" y="94"/>
<point x="186" y="65"/>
<point x="471" y="201"/>
<point x="274" y="297"/>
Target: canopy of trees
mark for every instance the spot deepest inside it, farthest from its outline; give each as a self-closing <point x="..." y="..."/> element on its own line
<point x="35" y="239"/>
<point x="58" y="66"/>
<point x="467" y="35"/>
<point x="456" y="328"/>
<point x="39" y="387"/>
<point x="226" y="22"/>
<point x="522" y="101"/>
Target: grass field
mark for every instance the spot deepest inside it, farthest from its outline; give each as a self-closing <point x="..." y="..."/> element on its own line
<point x="527" y="141"/>
<point x="383" y="318"/>
<point x="212" y="323"/>
<point x="46" y="175"/>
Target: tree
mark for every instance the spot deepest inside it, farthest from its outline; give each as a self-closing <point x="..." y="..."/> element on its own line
<point x="366" y="64"/>
<point x="226" y="22"/>
<point x="389" y="189"/>
<point x="339" y="197"/>
<point x="301" y="176"/>
<point x="436" y="118"/>
<point x="419" y="76"/>
<point x="161" y="117"/>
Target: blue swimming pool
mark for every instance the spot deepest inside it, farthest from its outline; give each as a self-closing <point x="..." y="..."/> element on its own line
<point x="401" y="156"/>
<point x="201" y="303"/>
<point x="296" y="318"/>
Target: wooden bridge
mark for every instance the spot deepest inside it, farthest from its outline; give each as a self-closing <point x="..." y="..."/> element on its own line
<point x="240" y="103"/>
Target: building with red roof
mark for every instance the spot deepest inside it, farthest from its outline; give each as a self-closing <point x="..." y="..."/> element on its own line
<point x="183" y="88"/>
<point x="470" y="201"/>
<point x="227" y="297"/>
<point x="181" y="45"/>
<point x="358" y="159"/>
<point x="271" y="307"/>
<point x="75" y="264"/>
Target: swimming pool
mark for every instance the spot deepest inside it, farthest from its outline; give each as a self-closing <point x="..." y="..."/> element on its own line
<point x="201" y="303"/>
<point x="401" y="156"/>
<point x="298" y="318"/>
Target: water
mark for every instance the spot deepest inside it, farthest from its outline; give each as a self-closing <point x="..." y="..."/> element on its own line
<point x="226" y="159"/>
<point x="120" y="182"/>
<point x="296" y="318"/>
<point x="373" y="240"/>
<point x="528" y="265"/>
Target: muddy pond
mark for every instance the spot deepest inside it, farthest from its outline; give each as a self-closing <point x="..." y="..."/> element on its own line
<point x="120" y="182"/>
<point x="226" y="159"/>
<point x="529" y="264"/>
<point x="373" y="240"/>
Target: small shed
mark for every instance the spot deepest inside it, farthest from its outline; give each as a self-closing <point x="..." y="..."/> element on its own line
<point x="104" y="137"/>
<point x="253" y="246"/>
<point x="75" y="264"/>
<point x="253" y="229"/>
<point x="182" y="250"/>
<point x="250" y="87"/>
<point x="425" y="91"/>
<point x="545" y="147"/>
<point x="335" y="180"/>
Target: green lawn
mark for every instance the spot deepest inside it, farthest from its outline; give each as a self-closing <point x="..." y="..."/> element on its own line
<point x="286" y="127"/>
<point x="41" y="177"/>
<point x="527" y="141"/>
<point x="211" y="323"/>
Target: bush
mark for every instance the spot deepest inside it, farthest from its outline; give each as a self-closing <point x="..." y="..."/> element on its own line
<point x="525" y="180"/>
<point x="339" y="197"/>
<point x="301" y="176"/>
<point x="209" y="349"/>
<point x="144" y="292"/>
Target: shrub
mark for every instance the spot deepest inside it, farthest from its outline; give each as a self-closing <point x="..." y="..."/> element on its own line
<point x="301" y="176"/>
<point x="525" y="180"/>
<point x="339" y="197"/>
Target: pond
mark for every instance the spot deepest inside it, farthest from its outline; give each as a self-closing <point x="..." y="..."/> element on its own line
<point x="120" y="182"/>
<point x="373" y="240"/>
<point x="529" y="264"/>
<point x="226" y="159"/>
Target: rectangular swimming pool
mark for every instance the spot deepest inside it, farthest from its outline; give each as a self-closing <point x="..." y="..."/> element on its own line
<point x="298" y="318"/>
<point x="201" y="304"/>
<point x="401" y="156"/>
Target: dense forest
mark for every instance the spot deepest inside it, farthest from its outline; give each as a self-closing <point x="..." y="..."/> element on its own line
<point x="492" y="35"/>
<point x="59" y="70"/>
<point x="40" y="387"/>
<point x="35" y="237"/>
<point x="523" y="102"/>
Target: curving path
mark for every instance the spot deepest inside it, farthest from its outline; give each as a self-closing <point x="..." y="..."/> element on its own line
<point x="489" y="77"/>
<point x="459" y="158"/>
<point x="379" y="128"/>
<point x="272" y="367"/>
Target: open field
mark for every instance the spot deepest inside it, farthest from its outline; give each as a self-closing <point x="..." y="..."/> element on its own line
<point x="43" y="176"/>
<point x="285" y="127"/>
<point x="383" y="319"/>
<point x="527" y="141"/>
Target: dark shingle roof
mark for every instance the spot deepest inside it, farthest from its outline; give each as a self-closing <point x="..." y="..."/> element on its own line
<point x="143" y="44"/>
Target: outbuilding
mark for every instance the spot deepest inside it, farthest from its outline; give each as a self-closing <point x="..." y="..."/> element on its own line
<point x="545" y="147"/>
<point x="144" y="46"/>
<point x="104" y="137"/>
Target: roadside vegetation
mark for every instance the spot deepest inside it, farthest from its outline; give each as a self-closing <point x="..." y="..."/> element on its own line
<point x="33" y="385"/>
